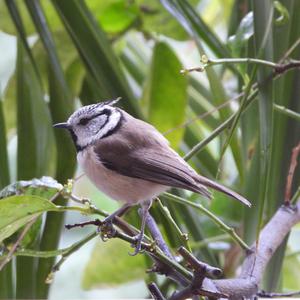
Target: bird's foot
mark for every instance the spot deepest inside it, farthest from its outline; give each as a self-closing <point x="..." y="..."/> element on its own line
<point x="137" y="244"/>
<point x="106" y="229"/>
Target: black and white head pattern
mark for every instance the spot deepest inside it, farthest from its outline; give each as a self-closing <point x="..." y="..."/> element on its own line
<point x="93" y="122"/>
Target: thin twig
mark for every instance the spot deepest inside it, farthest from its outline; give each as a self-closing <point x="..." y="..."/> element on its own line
<point x="155" y="292"/>
<point x="67" y="252"/>
<point x="54" y="253"/>
<point x="204" y="115"/>
<point x="287" y="112"/>
<point x="202" y="243"/>
<point x="227" y="123"/>
<point x="96" y="222"/>
<point x="279" y="70"/>
<point x="277" y="295"/>
<point x="17" y="243"/>
<point x="296" y="195"/>
<point x="278" y="67"/>
<point x="289" y="180"/>
<point x="195" y="264"/>
<point x="201" y="270"/>
<point x="183" y="237"/>
<point x="214" y="218"/>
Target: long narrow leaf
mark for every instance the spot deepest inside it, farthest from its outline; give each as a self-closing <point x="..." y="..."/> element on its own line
<point x="198" y="25"/>
<point x="35" y="146"/>
<point x="61" y="107"/>
<point x="190" y="21"/>
<point x="96" y="53"/>
<point x="6" y="286"/>
<point x="4" y="174"/>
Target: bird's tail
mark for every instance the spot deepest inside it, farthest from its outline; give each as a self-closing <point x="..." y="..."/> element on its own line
<point x="216" y="186"/>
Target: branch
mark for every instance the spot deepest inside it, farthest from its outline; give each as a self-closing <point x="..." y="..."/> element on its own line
<point x="254" y="265"/>
<point x="198" y="281"/>
<point x="200" y="271"/>
<point x="287" y="112"/>
<point x="289" y="181"/>
<point x="279" y="68"/>
<point x="277" y="295"/>
<point x="155" y="292"/>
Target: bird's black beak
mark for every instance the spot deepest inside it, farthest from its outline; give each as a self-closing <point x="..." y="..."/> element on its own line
<point x="62" y="125"/>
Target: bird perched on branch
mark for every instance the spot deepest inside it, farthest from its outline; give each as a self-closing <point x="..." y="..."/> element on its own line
<point x="130" y="161"/>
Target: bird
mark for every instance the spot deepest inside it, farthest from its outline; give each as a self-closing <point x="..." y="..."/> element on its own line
<point x="130" y="160"/>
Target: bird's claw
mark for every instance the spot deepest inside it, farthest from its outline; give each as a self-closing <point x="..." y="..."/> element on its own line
<point x="106" y="230"/>
<point x="137" y="244"/>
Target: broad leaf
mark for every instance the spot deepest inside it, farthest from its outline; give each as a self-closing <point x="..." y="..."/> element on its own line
<point x="114" y="16"/>
<point x="16" y="211"/>
<point x="45" y="187"/>
<point x="166" y="93"/>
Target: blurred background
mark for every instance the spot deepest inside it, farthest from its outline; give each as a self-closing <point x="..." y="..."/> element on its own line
<point x="58" y="55"/>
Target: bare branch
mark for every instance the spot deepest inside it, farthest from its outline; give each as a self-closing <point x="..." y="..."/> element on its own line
<point x="155" y="292"/>
<point x="277" y="295"/>
<point x="289" y="181"/>
<point x="255" y="263"/>
<point x="195" y="264"/>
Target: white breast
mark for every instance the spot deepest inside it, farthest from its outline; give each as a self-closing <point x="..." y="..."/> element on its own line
<point x="116" y="186"/>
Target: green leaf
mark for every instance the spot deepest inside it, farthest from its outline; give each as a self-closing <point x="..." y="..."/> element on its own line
<point x="75" y="76"/>
<point x="284" y="13"/>
<point x="192" y="22"/>
<point x="4" y="174"/>
<point x="109" y="264"/>
<point x="117" y="15"/>
<point x="244" y="32"/>
<point x="16" y="211"/>
<point x="166" y="92"/>
<point x="155" y="19"/>
<point x="7" y="25"/>
<point x="45" y="187"/>
<point x="96" y="53"/>
<point x="35" y="134"/>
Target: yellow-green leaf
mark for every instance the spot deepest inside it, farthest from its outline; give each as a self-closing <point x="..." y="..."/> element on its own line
<point x="166" y="93"/>
<point x="16" y="211"/>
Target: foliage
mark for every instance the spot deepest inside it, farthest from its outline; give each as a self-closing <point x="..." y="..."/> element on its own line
<point x="88" y="51"/>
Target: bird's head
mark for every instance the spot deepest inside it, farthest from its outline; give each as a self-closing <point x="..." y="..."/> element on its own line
<point x="92" y="122"/>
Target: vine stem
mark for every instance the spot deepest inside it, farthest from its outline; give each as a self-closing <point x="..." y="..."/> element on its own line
<point x="287" y="112"/>
<point x="248" y="60"/>
<point x="198" y="147"/>
<point x="183" y="237"/>
<point x="213" y="217"/>
<point x="278" y="67"/>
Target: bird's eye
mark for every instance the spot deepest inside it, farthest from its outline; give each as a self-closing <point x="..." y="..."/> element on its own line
<point x="84" y="121"/>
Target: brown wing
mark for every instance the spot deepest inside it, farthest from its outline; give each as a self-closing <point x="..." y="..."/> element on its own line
<point x="150" y="165"/>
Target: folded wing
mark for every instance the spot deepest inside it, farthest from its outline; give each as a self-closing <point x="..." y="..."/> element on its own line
<point x="165" y="167"/>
